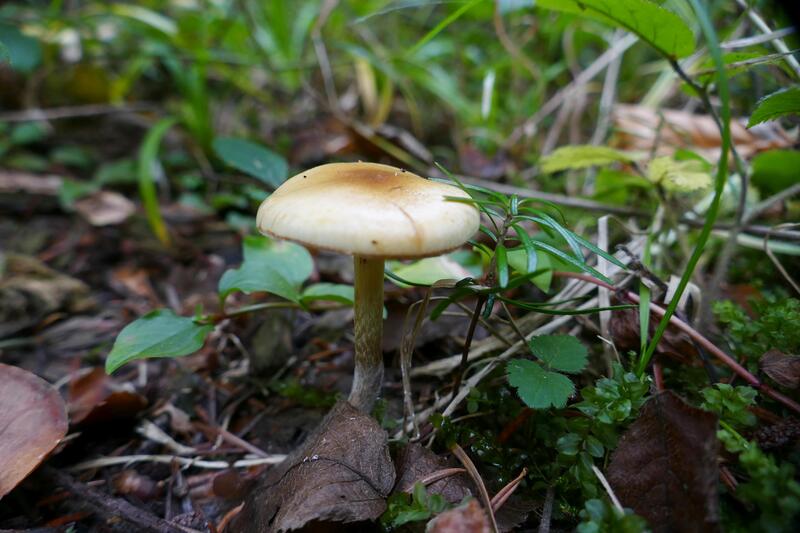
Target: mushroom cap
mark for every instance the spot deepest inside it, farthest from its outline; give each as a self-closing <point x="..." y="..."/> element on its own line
<point x="369" y="210"/>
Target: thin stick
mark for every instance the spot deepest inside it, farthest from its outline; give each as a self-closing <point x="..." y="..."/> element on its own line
<point x="607" y="486"/>
<point x="472" y="470"/>
<point x="505" y="493"/>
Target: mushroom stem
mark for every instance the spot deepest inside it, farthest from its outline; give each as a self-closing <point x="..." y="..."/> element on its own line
<point x="368" y="374"/>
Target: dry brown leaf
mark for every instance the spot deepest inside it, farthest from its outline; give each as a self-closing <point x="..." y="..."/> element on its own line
<point x="95" y="397"/>
<point x="341" y="474"/>
<point x="637" y="128"/>
<point x="468" y="518"/>
<point x="784" y="369"/>
<point x="624" y="327"/>
<point x="665" y="467"/>
<point x="105" y="208"/>
<point x="415" y="461"/>
<point x="33" y="420"/>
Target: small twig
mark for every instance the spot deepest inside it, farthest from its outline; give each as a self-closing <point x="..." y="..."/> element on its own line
<point x="505" y="493"/>
<point x="472" y="470"/>
<point x="607" y="486"/>
<point x="547" y="511"/>
<point x="230" y="438"/>
<point x="433" y="477"/>
<point x="57" y="113"/>
<point x="183" y="461"/>
<point x="111" y="507"/>
<point x="780" y="46"/>
<point x="777" y="263"/>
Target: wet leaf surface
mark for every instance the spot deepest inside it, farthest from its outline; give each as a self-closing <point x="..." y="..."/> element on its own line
<point x="342" y="473"/>
<point x="665" y="467"/>
<point x="33" y="420"/>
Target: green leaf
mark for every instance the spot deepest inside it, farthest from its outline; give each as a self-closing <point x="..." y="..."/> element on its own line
<point x="334" y="292"/>
<point x="776" y="170"/>
<point x="277" y="267"/>
<point x="149" y="171"/>
<point x="148" y="17"/>
<point x="429" y="270"/>
<point x="23" y="52"/>
<point x="252" y="159"/>
<point x="519" y="260"/>
<point x="776" y="105"/>
<point x="560" y="352"/>
<point x="679" y="176"/>
<point x="537" y="387"/>
<point x="501" y="258"/>
<point x="581" y="156"/>
<point x="159" y="333"/>
<point x="662" y="29"/>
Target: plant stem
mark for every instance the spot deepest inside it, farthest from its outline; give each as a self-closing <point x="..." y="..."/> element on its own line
<point x="368" y="374"/>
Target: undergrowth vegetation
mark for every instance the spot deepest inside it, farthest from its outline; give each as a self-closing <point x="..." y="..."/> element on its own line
<point x="616" y="350"/>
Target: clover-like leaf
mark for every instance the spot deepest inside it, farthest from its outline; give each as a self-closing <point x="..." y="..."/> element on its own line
<point x="159" y="333"/>
<point x="560" y="352"/>
<point x="537" y="387"/>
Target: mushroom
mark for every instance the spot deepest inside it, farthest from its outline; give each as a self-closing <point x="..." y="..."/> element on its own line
<point x="373" y="212"/>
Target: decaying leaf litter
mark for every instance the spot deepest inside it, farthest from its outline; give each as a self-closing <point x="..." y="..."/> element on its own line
<point x="202" y="369"/>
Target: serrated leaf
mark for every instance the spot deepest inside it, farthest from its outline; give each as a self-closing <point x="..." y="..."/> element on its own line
<point x="776" y="105"/>
<point x="333" y="292"/>
<point x="159" y="333"/>
<point x="679" y="176"/>
<point x="560" y="352"/>
<point x="277" y="267"/>
<point x="662" y="29"/>
<point x="581" y="156"/>
<point x="537" y="387"/>
<point x="252" y="159"/>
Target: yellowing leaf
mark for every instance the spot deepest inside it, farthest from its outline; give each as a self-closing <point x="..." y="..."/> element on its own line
<point x="581" y="156"/>
<point x="678" y="176"/>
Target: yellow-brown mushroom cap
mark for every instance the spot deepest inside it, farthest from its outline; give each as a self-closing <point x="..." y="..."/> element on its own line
<point x="370" y="210"/>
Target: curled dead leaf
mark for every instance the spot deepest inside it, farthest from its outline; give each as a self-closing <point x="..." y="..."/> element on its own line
<point x="783" y="369"/>
<point x="33" y="420"/>
<point x="415" y="462"/>
<point x="341" y="474"/>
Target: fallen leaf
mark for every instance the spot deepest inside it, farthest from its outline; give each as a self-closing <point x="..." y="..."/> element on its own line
<point x="467" y="518"/>
<point x="105" y="208"/>
<point x="665" y="467"/>
<point x="30" y="290"/>
<point x="639" y="128"/>
<point x="778" y="435"/>
<point x="342" y="473"/>
<point x="95" y="397"/>
<point x="784" y="369"/>
<point x="415" y="461"/>
<point x="33" y="421"/>
<point x="624" y="327"/>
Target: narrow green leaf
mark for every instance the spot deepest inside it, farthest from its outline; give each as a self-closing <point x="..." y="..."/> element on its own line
<point x="662" y="29"/>
<point x="502" y="265"/>
<point x="252" y="159"/>
<point x="555" y="252"/>
<point x="160" y="333"/>
<point x="149" y="170"/>
<point x="537" y="387"/>
<point x="776" y="105"/>
<point x="560" y="352"/>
